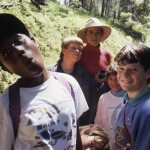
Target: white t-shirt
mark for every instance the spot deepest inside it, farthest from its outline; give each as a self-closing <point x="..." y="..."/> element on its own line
<point x="108" y="110"/>
<point x="48" y="117"/>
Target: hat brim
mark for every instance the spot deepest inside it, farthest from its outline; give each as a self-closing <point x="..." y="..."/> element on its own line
<point x="9" y="25"/>
<point x="106" y="33"/>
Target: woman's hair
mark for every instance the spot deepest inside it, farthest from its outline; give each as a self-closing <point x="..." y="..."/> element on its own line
<point x="100" y="136"/>
<point x="112" y="69"/>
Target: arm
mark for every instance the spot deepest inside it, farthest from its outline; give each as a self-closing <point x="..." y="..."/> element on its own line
<point x="141" y="136"/>
<point x="6" y="130"/>
<point x="98" y="115"/>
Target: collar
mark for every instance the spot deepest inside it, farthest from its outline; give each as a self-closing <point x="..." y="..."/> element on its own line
<point x="134" y="101"/>
<point x="118" y="94"/>
<point x="91" y="48"/>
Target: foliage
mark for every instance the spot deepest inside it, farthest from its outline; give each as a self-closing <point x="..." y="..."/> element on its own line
<point x="54" y="22"/>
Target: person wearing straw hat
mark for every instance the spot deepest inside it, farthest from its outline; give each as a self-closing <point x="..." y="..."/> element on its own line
<point x="94" y="58"/>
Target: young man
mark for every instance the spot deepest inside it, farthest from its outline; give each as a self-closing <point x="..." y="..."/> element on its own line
<point x="48" y="110"/>
<point x="110" y="103"/>
<point x="132" y="128"/>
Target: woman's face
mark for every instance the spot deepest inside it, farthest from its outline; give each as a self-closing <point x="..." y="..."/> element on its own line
<point x="93" y="35"/>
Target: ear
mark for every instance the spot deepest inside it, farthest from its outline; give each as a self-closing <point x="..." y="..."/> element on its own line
<point x="4" y="68"/>
<point x="32" y="38"/>
<point x="83" y="132"/>
<point x="63" y="50"/>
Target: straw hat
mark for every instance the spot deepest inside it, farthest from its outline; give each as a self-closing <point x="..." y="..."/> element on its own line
<point x="94" y="22"/>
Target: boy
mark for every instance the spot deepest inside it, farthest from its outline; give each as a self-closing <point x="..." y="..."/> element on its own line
<point x="110" y="103"/>
<point x="132" y="128"/>
<point x="71" y="52"/>
<point x="48" y="111"/>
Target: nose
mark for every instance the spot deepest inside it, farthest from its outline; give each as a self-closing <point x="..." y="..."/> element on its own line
<point x="20" y="53"/>
<point x="126" y="73"/>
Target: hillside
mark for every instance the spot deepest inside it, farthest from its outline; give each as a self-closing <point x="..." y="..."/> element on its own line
<point x="54" y="22"/>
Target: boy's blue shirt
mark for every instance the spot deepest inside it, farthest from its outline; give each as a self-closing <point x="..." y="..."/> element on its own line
<point x="118" y="94"/>
<point x="137" y="117"/>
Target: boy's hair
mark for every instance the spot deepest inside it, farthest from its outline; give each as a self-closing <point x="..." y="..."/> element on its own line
<point x="100" y="136"/>
<point x="71" y="39"/>
<point x="134" y="53"/>
<point x="67" y="41"/>
<point x="112" y="69"/>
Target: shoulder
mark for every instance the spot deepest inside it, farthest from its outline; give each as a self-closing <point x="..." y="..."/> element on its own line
<point x="104" y="51"/>
<point x="51" y="67"/>
<point x="145" y="106"/>
<point x="4" y="97"/>
<point x="63" y="76"/>
<point x="106" y="94"/>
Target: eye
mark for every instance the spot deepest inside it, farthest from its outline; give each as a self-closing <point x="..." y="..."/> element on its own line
<point x="134" y="69"/>
<point x="6" y="52"/>
<point x="18" y="41"/>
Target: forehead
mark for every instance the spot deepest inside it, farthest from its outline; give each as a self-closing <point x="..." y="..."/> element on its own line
<point x="130" y="65"/>
<point x="94" y="29"/>
<point x="74" y="44"/>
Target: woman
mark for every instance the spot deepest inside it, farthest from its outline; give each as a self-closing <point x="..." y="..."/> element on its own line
<point x="94" y="57"/>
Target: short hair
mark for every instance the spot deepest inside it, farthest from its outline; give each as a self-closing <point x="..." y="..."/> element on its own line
<point x="71" y="39"/>
<point x="112" y="69"/>
<point x="68" y="40"/>
<point x="134" y="53"/>
<point x="100" y="136"/>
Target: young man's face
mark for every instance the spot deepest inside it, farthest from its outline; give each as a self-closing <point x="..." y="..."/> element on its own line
<point x="132" y="78"/>
<point x="113" y="83"/>
<point x="20" y="55"/>
<point x="93" y="35"/>
<point x="73" y="52"/>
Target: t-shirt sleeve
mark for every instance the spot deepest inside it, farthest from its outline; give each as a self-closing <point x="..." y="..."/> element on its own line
<point x="79" y="99"/>
<point x="6" y="130"/>
<point x="97" y="119"/>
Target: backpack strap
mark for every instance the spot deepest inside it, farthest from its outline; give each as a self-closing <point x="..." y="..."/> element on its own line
<point x="65" y="83"/>
<point x="14" y="106"/>
<point x="126" y="129"/>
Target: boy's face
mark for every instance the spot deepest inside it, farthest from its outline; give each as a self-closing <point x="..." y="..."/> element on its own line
<point x="20" y="55"/>
<point x="73" y="52"/>
<point x="113" y="83"/>
<point x="132" y="78"/>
